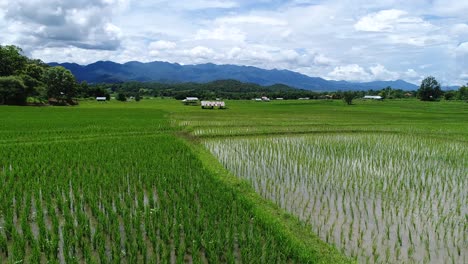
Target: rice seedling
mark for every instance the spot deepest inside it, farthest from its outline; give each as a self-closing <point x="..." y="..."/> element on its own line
<point x="394" y="198"/>
<point x="69" y="194"/>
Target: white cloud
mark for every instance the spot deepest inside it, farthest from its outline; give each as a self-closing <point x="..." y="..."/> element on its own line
<point x="419" y="41"/>
<point x="85" y="23"/>
<point x="112" y="30"/>
<point x="321" y="59"/>
<point x="450" y="7"/>
<point x="221" y="33"/>
<point x="205" y="4"/>
<point x="68" y="54"/>
<point x="459" y="29"/>
<point x="380" y="73"/>
<point x="382" y="21"/>
<point x="392" y="21"/>
<point x="320" y="38"/>
<point x="411" y="75"/>
<point x="200" y="52"/>
<point x="462" y="49"/>
<point x="402" y="28"/>
<point x="351" y="72"/>
<point x="162" y="45"/>
<point x="354" y="72"/>
<point x="464" y="76"/>
<point x="252" y="19"/>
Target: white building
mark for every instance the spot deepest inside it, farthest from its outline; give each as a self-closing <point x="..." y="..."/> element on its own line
<point x="213" y="104"/>
<point x="190" y="101"/>
<point x="373" y="97"/>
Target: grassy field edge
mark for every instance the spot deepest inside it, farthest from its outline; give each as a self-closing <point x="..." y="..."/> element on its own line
<point x="299" y="240"/>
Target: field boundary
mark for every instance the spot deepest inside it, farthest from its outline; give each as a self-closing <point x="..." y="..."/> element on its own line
<point x="317" y="132"/>
<point x="295" y="236"/>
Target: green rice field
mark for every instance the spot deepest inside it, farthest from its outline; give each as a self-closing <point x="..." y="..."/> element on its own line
<point x="280" y="182"/>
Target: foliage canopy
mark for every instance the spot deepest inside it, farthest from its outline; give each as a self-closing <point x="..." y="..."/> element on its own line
<point x="430" y="89"/>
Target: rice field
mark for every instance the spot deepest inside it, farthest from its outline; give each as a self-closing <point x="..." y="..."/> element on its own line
<point x="379" y="198"/>
<point x="110" y="185"/>
<point x="384" y="183"/>
<point x="284" y="182"/>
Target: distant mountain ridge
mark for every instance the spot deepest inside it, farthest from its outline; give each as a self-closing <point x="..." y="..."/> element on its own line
<point x="165" y="72"/>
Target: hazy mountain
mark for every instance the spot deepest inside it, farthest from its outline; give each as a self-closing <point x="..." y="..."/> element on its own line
<point x="110" y="72"/>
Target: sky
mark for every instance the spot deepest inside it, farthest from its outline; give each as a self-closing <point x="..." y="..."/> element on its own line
<point x="353" y="40"/>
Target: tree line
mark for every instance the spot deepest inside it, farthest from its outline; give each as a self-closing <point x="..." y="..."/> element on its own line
<point x="232" y="89"/>
<point x="429" y="90"/>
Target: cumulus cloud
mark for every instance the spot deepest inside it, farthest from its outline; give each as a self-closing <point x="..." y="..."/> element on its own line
<point x="200" y="53"/>
<point x="319" y="38"/>
<point x="412" y="76"/>
<point x="354" y="72"/>
<point x="321" y="59"/>
<point x="71" y="54"/>
<point x="392" y="20"/>
<point x="400" y="27"/>
<point x="380" y="73"/>
<point x="83" y="23"/>
<point x="351" y="72"/>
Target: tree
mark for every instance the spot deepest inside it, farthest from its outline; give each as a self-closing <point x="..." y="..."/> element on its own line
<point x="121" y="97"/>
<point x="429" y="89"/>
<point x="61" y="84"/>
<point x="386" y="93"/>
<point x="348" y="97"/>
<point x="463" y="93"/>
<point x="12" y="90"/>
<point x="137" y="97"/>
<point x="33" y="77"/>
<point x="449" y="95"/>
<point x="11" y="60"/>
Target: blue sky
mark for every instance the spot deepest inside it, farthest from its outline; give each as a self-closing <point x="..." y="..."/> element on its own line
<point x="354" y="40"/>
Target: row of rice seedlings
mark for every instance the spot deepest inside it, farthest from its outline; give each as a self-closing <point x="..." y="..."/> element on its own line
<point x="139" y="200"/>
<point x="380" y="198"/>
<point x="235" y="125"/>
<point x="40" y="126"/>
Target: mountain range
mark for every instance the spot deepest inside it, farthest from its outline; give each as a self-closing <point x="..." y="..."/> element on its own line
<point x="165" y="72"/>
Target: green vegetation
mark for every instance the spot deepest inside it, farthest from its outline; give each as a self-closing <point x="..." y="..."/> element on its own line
<point x="463" y="93"/>
<point x="28" y="81"/>
<point x="383" y="181"/>
<point x="349" y="96"/>
<point x="21" y="77"/>
<point x="61" y="84"/>
<point x="279" y="182"/>
<point x="113" y="183"/>
<point x="429" y="89"/>
<point x="227" y="89"/>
